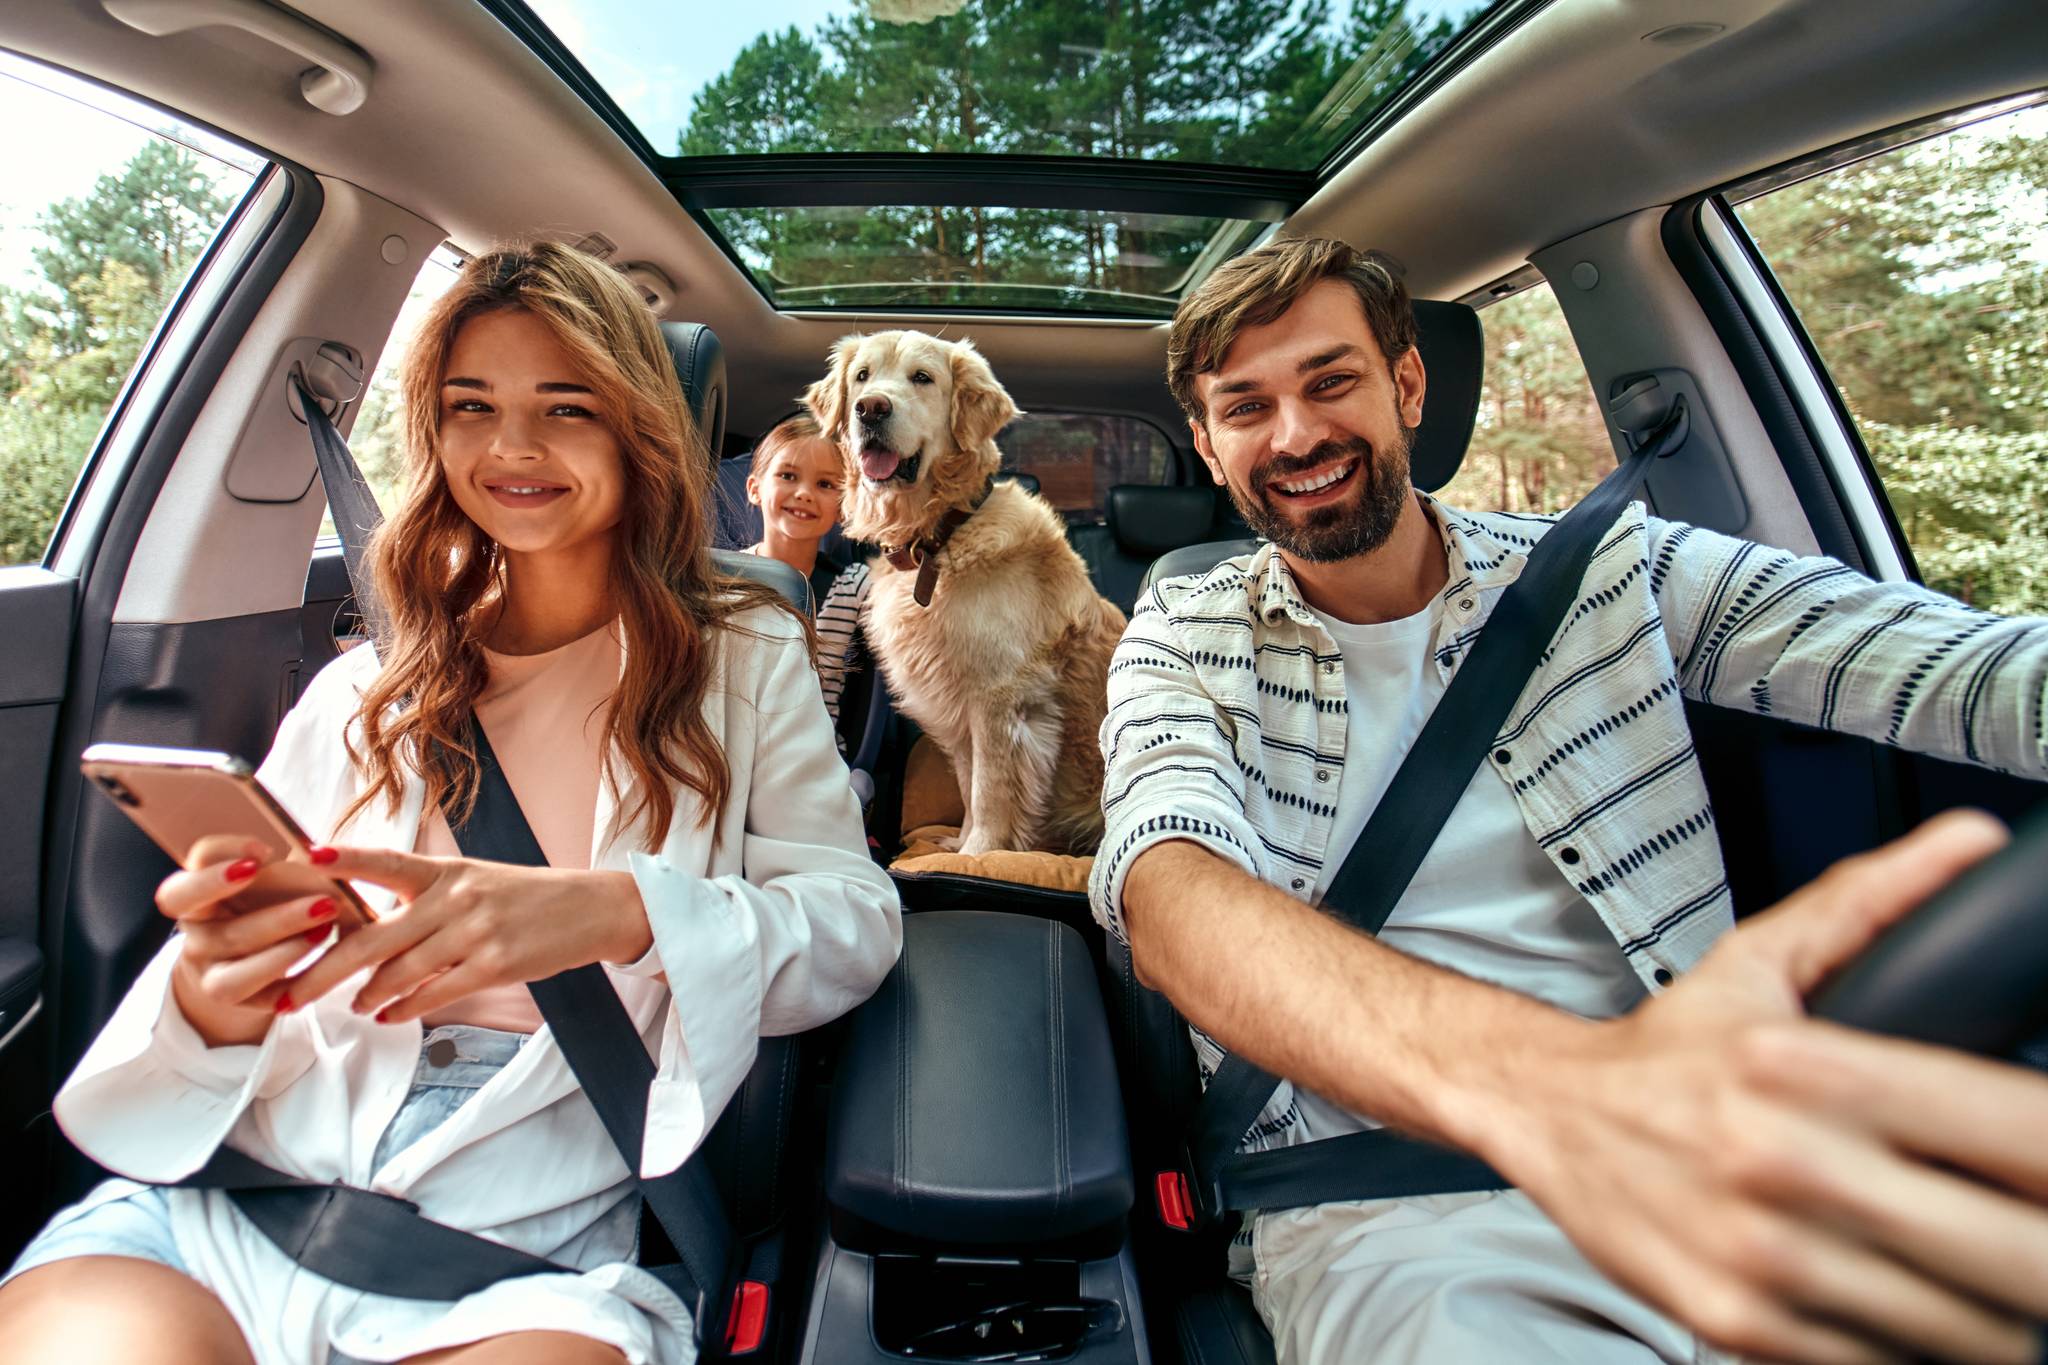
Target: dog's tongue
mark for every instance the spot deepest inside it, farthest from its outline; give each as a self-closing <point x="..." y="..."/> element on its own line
<point x="879" y="464"/>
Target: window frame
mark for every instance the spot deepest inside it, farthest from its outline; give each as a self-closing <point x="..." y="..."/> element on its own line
<point x="76" y="535"/>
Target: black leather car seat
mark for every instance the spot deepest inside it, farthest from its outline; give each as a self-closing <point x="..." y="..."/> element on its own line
<point x="752" y="1158"/>
<point x="1212" y="1318"/>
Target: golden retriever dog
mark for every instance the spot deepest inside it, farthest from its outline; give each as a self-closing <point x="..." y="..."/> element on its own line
<point x="1005" y="661"/>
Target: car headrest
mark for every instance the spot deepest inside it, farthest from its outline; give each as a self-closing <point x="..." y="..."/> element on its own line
<point x="700" y="365"/>
<point x="1027" y="482"/>
<point x="1194" y="559"/>
<point x="1149" y="519"/>
<point x="1454" y="357"/>
<point x="762" y="569"/>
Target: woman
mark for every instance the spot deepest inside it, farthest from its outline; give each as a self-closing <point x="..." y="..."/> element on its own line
<point x="661" y="728"/>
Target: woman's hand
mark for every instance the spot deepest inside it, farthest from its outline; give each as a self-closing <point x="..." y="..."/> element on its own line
<point x="470" y="925"/>
<point x="245" y="925"/>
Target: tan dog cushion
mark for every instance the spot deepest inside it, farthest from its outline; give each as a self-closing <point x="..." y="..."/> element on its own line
<point x="931" y="794"/>
<point x="1049" y="871"/>
<point x="932" y="809"/>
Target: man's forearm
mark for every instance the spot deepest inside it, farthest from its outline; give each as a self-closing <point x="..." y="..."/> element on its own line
<point x="1309" y="998"/>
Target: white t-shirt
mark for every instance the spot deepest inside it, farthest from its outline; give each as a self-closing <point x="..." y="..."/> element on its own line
<point x="1486" y="901"/>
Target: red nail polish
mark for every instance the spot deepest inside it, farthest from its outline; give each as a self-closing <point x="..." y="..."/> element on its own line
<point x="383" y="1016"/>
<point x="242" y="870"/>
<point x="320" y="857"/>
<point x="322" y="908"/>
<point x="284" y="1004"/>
<point x="318" y="935"/>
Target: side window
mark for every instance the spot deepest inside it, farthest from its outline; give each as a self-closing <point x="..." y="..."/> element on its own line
<point x="1539" y="443"/>
<point x="1921" y="277"/>
<point x="1077" y="457"/>
<point x="106" y="205"/>
<point x="378" y="438"/>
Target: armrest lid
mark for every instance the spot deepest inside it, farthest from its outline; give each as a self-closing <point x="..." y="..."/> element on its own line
<point x="977" y="1101"/>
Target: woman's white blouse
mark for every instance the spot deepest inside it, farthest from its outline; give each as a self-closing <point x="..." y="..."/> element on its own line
<point x="772" y="919"/>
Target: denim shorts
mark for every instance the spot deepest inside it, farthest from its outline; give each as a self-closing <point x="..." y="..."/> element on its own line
<point x="455" y="1062"/>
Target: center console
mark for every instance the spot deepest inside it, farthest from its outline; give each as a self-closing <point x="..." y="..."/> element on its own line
<point x="977" y="1171"/>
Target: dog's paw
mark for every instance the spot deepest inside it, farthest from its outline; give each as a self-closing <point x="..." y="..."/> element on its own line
<point x="949" y="842"/>
<point x="976" y="844"/>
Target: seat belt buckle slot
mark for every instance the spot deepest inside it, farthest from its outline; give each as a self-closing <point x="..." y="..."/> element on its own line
<point x="746" y="1326"/>
<point x="1187" y="1203"/>
<point x="1176" y="1206"/>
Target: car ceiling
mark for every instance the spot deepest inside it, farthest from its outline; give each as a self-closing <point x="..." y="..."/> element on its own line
<point x="467" y="127"/>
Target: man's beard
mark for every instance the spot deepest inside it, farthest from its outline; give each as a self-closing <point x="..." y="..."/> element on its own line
<point x="1353" y="526"/>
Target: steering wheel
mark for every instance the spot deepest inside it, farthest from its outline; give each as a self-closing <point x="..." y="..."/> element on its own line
<point x="1967" y="970"/>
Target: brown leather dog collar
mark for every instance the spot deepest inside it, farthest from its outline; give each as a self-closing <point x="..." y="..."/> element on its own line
<point x="923" y="555"/>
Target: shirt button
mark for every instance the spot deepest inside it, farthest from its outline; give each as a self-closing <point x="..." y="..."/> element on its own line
<point x="1297" y="884"/>
<point x="1322" y="774"/>
<point x="1662" y="976"/>
<point x="1569" y="855"/>
<point x="1329" y="669"/>
<point x="1464" y="604"/>
<point x="1502" y="757"/>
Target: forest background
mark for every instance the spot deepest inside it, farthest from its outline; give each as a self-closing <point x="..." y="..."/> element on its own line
<point x="1920" y="274"/>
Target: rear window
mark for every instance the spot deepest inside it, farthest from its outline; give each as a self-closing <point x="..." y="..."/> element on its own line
<point x="1077" y="457"/>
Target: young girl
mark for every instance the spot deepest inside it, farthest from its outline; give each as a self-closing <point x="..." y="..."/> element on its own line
<point x="797" y="479"/>
<point x="661" y="728"/>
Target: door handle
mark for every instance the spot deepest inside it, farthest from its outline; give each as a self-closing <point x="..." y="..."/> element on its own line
<point x="338" y="81"/>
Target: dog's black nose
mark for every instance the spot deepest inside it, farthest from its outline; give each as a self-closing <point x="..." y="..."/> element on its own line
<point x="872" y="409"/>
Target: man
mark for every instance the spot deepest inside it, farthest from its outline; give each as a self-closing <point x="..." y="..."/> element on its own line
<point x="1544" y="995"/>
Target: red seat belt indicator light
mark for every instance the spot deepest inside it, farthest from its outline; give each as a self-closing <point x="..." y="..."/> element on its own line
<point x="746" y="1327"/>
<point x="1176" y="1209"/>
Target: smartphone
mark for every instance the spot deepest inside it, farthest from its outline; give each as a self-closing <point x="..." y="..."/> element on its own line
<point x="180" y="796"/>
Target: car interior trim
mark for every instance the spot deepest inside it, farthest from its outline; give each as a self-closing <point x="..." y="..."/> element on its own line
<point x="1813" y="393"/>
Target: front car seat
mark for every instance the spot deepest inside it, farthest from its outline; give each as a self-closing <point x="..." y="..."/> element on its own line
<point x="1212" y="1318"/>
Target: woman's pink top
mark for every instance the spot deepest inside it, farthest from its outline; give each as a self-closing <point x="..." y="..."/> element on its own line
<point x="544" y="714"/>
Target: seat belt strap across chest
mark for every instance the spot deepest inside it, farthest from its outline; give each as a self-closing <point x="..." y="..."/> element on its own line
<point x="584" y="1014"/>
<point x="1383" y="860"/>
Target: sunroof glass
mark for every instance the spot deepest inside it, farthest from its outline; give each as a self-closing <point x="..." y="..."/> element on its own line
<point x="1278" y="84"/>
<point x="1037" y="260"/>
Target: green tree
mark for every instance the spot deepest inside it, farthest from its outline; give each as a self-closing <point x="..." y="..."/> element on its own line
<point x="111" y="262"/>
<point x="1539" y="443"/>
<point x="1921" y="278"/>
<point x="1180" y="80"/>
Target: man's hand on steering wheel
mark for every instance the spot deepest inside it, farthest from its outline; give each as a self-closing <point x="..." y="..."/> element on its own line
<point x="1793" y="1189"/>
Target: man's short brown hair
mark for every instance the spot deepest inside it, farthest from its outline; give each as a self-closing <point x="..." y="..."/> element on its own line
<point x="1260" y="285"/>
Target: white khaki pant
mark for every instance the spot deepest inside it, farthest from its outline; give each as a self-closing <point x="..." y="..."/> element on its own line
<point x="1446" y="1279"/>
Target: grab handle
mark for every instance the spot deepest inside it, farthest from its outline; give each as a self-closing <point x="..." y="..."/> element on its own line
<point x="338" y="81"/>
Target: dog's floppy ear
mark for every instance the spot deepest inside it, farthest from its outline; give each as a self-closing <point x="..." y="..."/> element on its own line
<point x="826" y="399"/>
<point x="981" y="406"/>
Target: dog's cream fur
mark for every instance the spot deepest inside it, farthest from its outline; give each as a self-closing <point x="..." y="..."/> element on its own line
<point x="1007" y="669"/>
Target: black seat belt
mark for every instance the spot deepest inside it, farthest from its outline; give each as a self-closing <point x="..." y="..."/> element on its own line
<point x="1381" y="862"/>
<point x="382" y="1244"/>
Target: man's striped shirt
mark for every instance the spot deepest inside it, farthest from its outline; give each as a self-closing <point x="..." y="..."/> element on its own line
<point x="1227" y="713"/>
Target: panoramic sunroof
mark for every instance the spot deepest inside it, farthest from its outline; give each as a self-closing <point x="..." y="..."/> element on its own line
<point x="1039" y="155"/>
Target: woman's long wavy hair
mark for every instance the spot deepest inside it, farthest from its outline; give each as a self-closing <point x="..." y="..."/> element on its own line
<point x="438" y="574"/>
